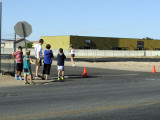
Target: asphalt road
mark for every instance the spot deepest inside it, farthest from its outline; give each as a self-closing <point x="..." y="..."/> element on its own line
<point x="104" y="95"/>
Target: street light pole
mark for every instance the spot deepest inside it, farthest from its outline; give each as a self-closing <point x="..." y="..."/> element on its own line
<point x="0" y="33"/>
<point x="14" y="52"/>
<point x="24" y="34"/>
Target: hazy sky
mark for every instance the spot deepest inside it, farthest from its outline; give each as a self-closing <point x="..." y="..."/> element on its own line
<point x="109" y="18"/>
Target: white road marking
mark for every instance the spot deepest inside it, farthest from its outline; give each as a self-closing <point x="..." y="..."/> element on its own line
<point x="99" y="75"/>
<point x="150" y="79"/>
<point x="72" y="76"/>
<point x="131" y="74"/>
<point x="76" y="76"/>
<point x="119" y="75"/>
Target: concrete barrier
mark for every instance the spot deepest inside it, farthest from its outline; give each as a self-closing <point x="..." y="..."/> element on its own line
<point x="97" y="53"/>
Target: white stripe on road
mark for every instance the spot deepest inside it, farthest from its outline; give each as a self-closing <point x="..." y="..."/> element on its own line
<point x="153" y="79"/>
<point x="119" y="75"/>
<point x="76" y="76"/>
<point x="150" y="79"/>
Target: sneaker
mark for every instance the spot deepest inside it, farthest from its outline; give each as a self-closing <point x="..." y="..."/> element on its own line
<point x="73" y="65"/>
<point x="20" y="78"/>
<point x="26" y="83"/>
<point x="59" y="78"/>
<point x="36" y="77"/>
<point x="62" y="78"/>
<point x="43" y="78"/>
<point x="16" y="77"/>
<point x="32" y="83"/>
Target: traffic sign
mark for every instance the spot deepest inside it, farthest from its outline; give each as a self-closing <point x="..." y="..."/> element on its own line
<point x="23" y="29"/>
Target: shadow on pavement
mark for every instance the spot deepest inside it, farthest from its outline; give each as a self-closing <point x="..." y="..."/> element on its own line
<point x="68" y="78"/>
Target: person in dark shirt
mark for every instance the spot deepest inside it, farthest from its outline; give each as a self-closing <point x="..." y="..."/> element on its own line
<point x="60" y="63"/>
<point x="48" y="55"/>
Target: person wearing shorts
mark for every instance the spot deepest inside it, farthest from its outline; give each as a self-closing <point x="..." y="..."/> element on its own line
<point x="27" y="68"/>
<point x="48" y="55"/>
<point x="38" y="62"/>
<point x="72" y="54"/>
<point x="18" y="56"/>
<point x="38" y="56"/>
<point x="60" y="64"/>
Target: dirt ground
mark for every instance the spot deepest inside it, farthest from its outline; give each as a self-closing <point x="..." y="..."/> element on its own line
<point x="129" y="66"/>
<point x="6" y="80"/>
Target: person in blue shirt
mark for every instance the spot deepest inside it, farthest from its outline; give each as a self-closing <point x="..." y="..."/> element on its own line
<point x="60" y="63"/>
<point x="27" y="68"/>
<point x="48" y="55"/>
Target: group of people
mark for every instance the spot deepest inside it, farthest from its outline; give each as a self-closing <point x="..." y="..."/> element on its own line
<point x="24" y="64"/>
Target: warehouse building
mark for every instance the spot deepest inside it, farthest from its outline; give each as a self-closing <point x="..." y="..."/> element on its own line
<point x="101" y="43"/>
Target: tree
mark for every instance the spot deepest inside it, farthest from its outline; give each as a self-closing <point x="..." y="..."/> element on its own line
<point x="29" y="45"/>
<point x="148" y="38"/>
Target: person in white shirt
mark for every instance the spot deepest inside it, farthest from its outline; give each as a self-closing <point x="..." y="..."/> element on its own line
<point x="38" y="56"/>
<point x="72" y="54"/>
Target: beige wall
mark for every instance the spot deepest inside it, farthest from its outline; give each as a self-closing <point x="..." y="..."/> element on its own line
<point x="132" y="43"/>
<point x="35" y="44"/>
<point x="9" y="44"/>
<point x="2" y="45"/>
<point x="56" y="42"/>
<point x="101" y="43"/>
<point x="104" y="43"/>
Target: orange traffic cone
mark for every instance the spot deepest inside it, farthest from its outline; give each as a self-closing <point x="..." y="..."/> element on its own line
<point x="154" y="69"/>
<point x="85" y="72"/>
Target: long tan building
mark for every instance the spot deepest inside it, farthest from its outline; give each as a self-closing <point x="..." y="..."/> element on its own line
<point x="101" y="43"/>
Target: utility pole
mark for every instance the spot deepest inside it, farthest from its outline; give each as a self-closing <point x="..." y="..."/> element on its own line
<point x="24" y="33"/>
<point x="14" y="52"/>
<point x="0" y="33"/>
